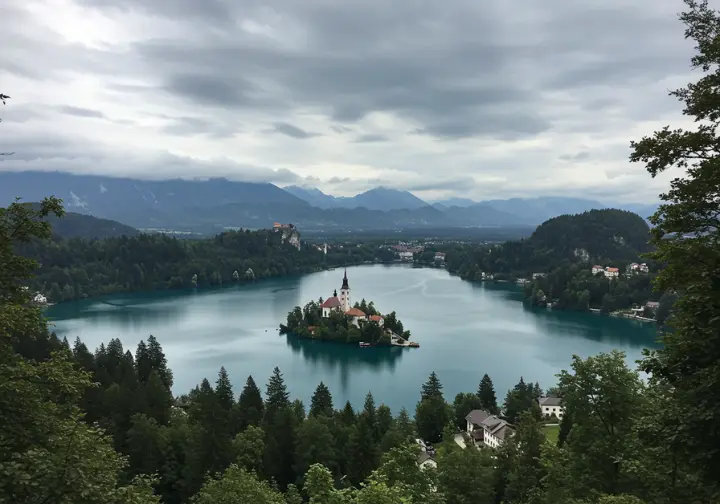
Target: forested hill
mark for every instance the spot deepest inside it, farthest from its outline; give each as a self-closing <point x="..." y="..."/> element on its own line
<point x="600" y="236"/>
<point x="597" y="235"/>
<point x="75" y="225"/>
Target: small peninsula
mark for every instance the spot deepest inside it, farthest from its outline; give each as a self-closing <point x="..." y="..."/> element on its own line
<point x="336" y="319"/>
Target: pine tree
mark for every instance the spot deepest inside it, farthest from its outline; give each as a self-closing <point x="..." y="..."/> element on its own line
<point x="321" y="403"/>
<point x="432" y="387"/>
<point x="314" y="445"/>
<point x="223" y="390"/>
<point x="277" y="394"/>
<point x="363" y="454"/>
<point x="347" y="415"/>
<point x="368" y="416"/>
<point x="158" y="399"/>
<point x="142" y="362"/>
<point x="158" y="362"/>
<point x="250" y="405"/>
<point x="384" y="420"/>
<point x="537" y="392"/>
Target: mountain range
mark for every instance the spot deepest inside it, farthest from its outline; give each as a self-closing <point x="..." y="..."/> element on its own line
<point x="210" y="205"/>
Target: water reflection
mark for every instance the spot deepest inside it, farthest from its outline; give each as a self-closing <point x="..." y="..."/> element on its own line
<point x="129" y="316"/>
<point x="345" y="358"/>
<point x="613" y="330"/>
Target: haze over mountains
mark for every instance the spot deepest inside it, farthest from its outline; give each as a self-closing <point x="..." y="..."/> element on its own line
<point x="210" y="205"/>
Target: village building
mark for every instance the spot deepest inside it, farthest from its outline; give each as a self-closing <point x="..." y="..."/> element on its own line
<point x="405" y="255"/>
<point x="486" y="429"/>
<point x="425" y="461"/>
<point x="551" y="406"/>
<point x="597" y="269"/>
<point x="611" y="272"/>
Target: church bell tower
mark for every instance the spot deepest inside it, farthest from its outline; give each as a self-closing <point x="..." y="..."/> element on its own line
<point x="345" y="294"/>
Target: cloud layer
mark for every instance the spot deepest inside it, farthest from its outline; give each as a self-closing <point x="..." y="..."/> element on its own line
<point x="456" y="98"/>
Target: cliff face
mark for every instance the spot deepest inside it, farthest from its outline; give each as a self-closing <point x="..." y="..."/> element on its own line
<point x="291" y="236"/>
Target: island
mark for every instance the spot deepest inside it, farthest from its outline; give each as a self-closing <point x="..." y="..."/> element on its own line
<point x="336" y="319"/>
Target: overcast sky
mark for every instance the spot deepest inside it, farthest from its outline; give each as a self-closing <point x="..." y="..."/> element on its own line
<point x="468" y="98"/>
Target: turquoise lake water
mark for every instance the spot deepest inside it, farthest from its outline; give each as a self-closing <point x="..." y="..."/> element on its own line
<point x="464" y="331"/>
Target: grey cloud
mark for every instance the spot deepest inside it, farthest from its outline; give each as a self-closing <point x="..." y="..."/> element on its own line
<point x="80" y="112"/>
<point x="210" y="89"/>
<point x="209" y="10"/>
<point x="450" y="71"/>
<point x="190" y="126"/>
<point x="338" y="128"/>
<point x="578" y="156"/>
<point x="461" y="184"/>
<point x="480" y="76"/>
<point x="292" y="131"/>
<point x="372" y="138"/>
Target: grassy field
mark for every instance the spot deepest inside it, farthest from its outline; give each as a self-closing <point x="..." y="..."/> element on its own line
<point x="551" y="433"/>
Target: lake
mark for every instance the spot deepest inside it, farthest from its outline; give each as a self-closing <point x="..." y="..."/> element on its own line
<point x="464" y="330"/>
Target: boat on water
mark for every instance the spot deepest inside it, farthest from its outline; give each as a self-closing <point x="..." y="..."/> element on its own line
<point x="412" y="344"/>
<point x="365" y="345"/>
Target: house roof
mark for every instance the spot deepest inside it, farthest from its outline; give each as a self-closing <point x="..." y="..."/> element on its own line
<point x="355" y="312"/>
<point x="550" y="401"/>
<point x="596" y="266"/>
<point x="332" y="302"/>
<point x="477" y="416"/>
<point x="503" y="431"/>
<point x="376" y="318"/>
<point x="423" y="457"/>
<point x="652" y="304"/>
<point x="611" y="270"/>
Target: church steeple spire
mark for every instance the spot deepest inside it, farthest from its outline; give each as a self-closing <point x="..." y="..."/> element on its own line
<point x="345" y="281"/>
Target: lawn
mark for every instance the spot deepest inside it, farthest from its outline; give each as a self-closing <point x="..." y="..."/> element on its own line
<point x="551" y="433"/>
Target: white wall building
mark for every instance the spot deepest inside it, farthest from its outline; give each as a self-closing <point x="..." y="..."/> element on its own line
<point x="611" y="272"/>
<point x="487" y="429"/>
<point x="552" y="406"/>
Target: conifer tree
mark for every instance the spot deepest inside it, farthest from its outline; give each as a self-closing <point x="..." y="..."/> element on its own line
<point x="250" y="405"/>
<point x="347" y="415"/>
<point x="223" y="390"/>
<point x="158" y="362"/>
<point x="432" y="387"/>
<point x="276" y="393"/>
<point x="321" y="403"/>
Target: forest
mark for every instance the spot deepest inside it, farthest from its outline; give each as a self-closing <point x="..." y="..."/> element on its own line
<point x="75" y="268"/>
<point x="308" y="322"/>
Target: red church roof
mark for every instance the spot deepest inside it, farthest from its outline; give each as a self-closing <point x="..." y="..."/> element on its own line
<point x="332" y="302"/>
<point x="355" y="312"/>
<point x="376" y="318"/>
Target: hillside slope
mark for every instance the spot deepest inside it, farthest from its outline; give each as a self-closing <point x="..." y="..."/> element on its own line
<point x="75" y="225"/>
<point x="597" y="234"/>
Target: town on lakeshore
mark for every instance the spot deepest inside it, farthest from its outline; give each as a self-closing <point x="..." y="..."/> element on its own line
<point x="337" y="319"/>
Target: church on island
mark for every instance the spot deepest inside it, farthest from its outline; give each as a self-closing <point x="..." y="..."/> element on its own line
<point x="342" y="304"/>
